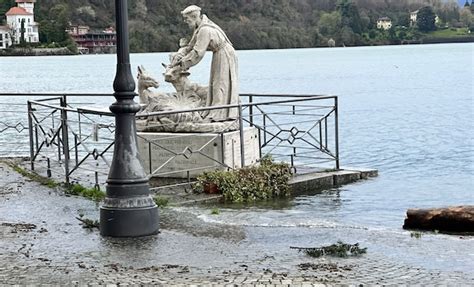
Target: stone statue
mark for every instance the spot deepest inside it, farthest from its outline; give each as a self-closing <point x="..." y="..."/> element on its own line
<point x="222" y="90"/>
<point x="188" y="96"/>
<point x="223" y="84"/>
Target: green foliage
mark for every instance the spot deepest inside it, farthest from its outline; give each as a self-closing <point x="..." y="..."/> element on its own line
<point x="53" y="27"/>
<point x="5" y="5"/>
<point x="350" y="15"/>
<point x="339" y="249"/>
<point x="330" y="24"/>
<point x="156" y="26"/>
<point x="161" y="201"/>
<point x="215" y="211"/>
<point x="453" y="32"/>
<point x="35" y="177"/>
<point x="249" y="184"/>
<point x="416" y="234"/>
<point x="71" y="189"/>
<point x="425" y="19"/>
<point x="90" y="193"/>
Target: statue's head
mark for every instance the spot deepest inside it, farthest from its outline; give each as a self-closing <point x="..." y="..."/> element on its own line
<point x="192" y="16"/>
<point x="174" y="74"/>
<point x="145" y="80"/>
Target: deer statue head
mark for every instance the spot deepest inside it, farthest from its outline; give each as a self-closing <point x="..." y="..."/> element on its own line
<point x="145" y="80"/>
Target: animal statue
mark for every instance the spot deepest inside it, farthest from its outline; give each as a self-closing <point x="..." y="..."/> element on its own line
<point x="188" y="96"/>
<point x="145" y="82"/>
<point x="183" y="86"/>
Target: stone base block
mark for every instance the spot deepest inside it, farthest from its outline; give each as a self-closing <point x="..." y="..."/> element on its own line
<point x="182" y="155"/>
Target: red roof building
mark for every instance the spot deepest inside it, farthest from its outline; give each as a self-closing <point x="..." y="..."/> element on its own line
<point x="17" y="11"/>
<point x="22" y="17"/>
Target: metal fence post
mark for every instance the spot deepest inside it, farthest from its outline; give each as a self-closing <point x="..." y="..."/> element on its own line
<point x="336" y="131"/>
<point x="30" y="131"/>
<point x="242" y="141"/>
<point x="65" y="134"/>
<point x="251" y="110"/>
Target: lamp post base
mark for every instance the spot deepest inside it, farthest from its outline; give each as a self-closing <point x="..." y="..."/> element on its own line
<point x="129" y="222"/>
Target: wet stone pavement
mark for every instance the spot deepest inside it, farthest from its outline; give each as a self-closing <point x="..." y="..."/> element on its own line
<point x="43" y="242"/>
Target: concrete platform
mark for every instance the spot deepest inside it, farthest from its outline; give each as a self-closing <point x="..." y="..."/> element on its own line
<point x="319" y="180"/>
<point x="308" y="182"/>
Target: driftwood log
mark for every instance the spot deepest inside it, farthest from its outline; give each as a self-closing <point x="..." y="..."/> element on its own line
<point x="459" y="219"/>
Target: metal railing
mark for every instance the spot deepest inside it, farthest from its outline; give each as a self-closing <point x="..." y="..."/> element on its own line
<point x="66" y="139"/>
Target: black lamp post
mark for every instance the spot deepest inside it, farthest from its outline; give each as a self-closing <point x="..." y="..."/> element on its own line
<point x="128" y="209"/>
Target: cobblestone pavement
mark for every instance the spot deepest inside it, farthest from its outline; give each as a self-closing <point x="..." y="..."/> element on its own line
<point x="42" y="242"/>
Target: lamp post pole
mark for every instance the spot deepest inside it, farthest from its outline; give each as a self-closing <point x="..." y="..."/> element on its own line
<point x="128" y="209"/>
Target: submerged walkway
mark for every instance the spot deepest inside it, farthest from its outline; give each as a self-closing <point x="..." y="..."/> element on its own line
<point x="42" y="242"/>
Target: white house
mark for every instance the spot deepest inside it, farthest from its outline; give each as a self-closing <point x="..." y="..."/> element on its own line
<point x="24" y="12"/>
<point x="5" y="38"/>
<point x="414" y="16"/>
<point x="384" y="23"/>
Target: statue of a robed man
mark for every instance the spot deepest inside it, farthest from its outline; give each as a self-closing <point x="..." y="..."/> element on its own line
<point x="223" y="83"/>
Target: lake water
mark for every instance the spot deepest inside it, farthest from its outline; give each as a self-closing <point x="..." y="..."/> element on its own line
<point x="407" y="111"/>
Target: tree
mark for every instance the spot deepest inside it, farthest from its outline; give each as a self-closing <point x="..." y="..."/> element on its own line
<point x="425" y="19"/>
<point x="350" y="15"/>
<point x="330" y="23"/>
<point x="403" y="19"/>
<point x="53" y="28"/>
<point x="466" y="17"/>
<point x="449" y="12"/>
<point x="5" y="5"/>
<point x="22" y="33"/>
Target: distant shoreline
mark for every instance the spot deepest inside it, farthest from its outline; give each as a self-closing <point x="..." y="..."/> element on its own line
<point x="28" y="52"/>
<point x="63" y="51"/>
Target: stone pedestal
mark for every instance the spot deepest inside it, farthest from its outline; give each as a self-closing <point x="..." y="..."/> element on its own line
<point x="182" y="155"/>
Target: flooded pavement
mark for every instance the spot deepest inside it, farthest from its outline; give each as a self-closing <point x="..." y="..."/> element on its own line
<point x="43" y="242"/>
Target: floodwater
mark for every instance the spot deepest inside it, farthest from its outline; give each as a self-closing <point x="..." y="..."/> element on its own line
<point x="407" y="111"/>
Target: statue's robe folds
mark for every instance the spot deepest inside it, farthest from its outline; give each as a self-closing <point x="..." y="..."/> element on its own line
<point x="223" y="83"/>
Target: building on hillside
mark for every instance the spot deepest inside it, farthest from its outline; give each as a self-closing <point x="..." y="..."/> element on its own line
<point x="90" y="42"/>
<point x="23" y="13"/>
<point x="414" y="17"/>
<point x="78" y="29"/>
<point x="5" y="38"/>
<point x="384" y="23"/>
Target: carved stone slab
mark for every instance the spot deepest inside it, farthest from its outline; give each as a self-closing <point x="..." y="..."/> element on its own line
<point x="173" y="155"/>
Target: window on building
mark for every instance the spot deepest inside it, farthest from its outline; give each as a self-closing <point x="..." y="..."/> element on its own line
<point x="1" y="37"/>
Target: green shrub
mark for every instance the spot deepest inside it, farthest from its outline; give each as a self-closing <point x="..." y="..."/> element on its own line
<point x="79" y="190"/>
<point x="161" y="201"/>
<point x="265" y="181"/>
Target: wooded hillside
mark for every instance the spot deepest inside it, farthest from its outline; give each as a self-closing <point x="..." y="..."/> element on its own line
<point x="250" y="24"/>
